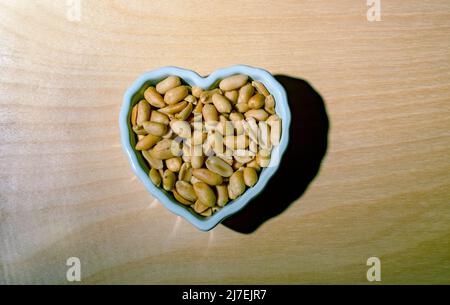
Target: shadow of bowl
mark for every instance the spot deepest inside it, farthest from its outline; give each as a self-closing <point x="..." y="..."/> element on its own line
<point x="300" y="163"/>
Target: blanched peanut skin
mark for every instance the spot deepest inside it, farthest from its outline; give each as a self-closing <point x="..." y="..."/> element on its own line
<point x="169" y="83"/>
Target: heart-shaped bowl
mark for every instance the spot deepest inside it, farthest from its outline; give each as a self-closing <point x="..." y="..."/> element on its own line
<point x="136" y="92"/>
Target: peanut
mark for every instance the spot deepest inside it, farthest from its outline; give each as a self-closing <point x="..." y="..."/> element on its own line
<point x="260" y="88"/>
<point x="218" y="166"/>
<point x="154" y="98"/>
<point x="169" y="83"/>
<point x="205" y="194"/>
<point x="143" y="112"/>
<point x="176" y="95"/>
<point x="207" y="176"/>
<point x="237" y="185"/>
<point x="233" y="82"/>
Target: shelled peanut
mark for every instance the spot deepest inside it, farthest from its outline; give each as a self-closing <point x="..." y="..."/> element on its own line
<point x="206" y="147"/>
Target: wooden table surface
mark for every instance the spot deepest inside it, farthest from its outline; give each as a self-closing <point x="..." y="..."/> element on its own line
<point x="67" y="189"/>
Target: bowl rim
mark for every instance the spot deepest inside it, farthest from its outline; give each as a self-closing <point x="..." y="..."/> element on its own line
<point x="193" y="78"/>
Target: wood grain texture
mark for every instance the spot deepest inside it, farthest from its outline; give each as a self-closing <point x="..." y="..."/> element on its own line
<point x="66" y="188"/>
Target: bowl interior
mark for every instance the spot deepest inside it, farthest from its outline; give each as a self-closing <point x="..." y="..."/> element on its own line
<point x="136" y="93"/>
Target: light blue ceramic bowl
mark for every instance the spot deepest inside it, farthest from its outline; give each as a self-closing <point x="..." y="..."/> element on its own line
<point x="135" y="93"/>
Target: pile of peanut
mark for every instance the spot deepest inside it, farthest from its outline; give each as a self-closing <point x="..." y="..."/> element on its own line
<point x="206" y="146"/>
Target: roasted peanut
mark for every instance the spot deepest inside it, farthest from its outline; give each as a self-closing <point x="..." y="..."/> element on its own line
<point x="191" y="99"/>
<point x="185" y="113"/>
<point x="174" y="164"/>
<point x="152" y="161"/>
<point x="236" y="142"/>
<point x="143" y="112"/>
<point x="180" y="199"/>
<point x="199" y="207"/>
<point x="165" y="149"/>
<point x="175" y="108"/>
<point x="245" y="93"/>
<point x="196" y="91"/>
<point x="155" y="177"/>
<point x="225" y="135"/>
<point x="205" y="194"/>
<point x="207" y="213"/>
<point x="169" y="83"/>
<point x="210" y="113"/>
<point x="258" y="114"/>
<point x="236" y="187"/>
<point x="156" y="129"/>
<point x="207" y="176"/>
<point x="222" y="104"/>
<point x="206" y="96"/>
<point x="260" y="88"/>
<point x="168" y="180"/>
<point x="181" y="128"/>
<point x="233" y="82"/>
<point x="219" y="166"/>
<point x="232" y="96"/>
<point x="133" y="118"/>
<point x="250" y="176"/>
<point x="222" y="195"/>
<point x="147" y="142"/>
<point x="186" y="190"/>
<point x="256" y="101"/>
<point x="269" y="105"/>
<point x="154" y="98"/>
<point x="242" y="107"/>
<point x="159" y="117"/>
<point x="197" y="161"/>
<point x="176" y="95"/>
